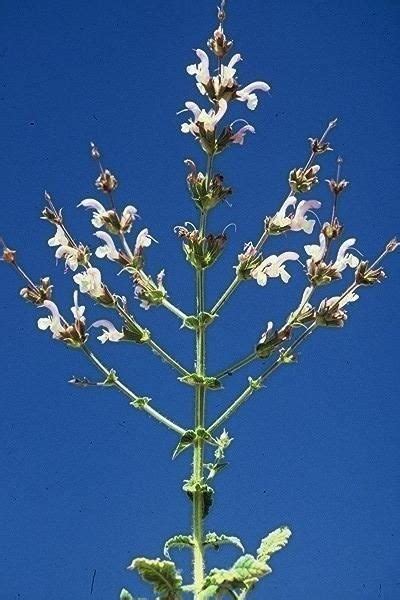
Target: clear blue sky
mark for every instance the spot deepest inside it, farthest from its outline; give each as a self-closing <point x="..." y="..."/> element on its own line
<point x="87" y="482"/>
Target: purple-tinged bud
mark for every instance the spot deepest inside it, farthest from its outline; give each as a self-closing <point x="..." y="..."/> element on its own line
<point x="106" y="182"/>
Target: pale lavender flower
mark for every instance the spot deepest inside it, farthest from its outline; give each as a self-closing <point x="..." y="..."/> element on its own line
<point x="53" y="321"/>
<point x="208" y="120"/>
<point x="247" y="94"/>
<point x="77" y="310"/>
<point x="99" y="209"/>
<point x="143" y="240"/>
<point x="90" y="282"/>
<point x="316" y="251"/>
<point x="238" y="137"/>
<point x="108" y="250"/>
<point x="71" y="256"/>
<point x="297" y="221"/>
<point x="110" y="332"/>
<point x="273" y="266"/>
<point x="59" y="238"/>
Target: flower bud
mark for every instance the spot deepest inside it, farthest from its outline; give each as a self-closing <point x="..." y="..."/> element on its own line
<point x="106" y="182"/>
<point x="38" y="294"/>
<point x="320" y="273"/>
<point x="219" y="44"/>
<point x="301" y="180"/>
<point x="318" y="147"/>
<point x="368" y="276"/>
<point x="206" y="195"/>
<point x="332" y="230"/>
<point x="201" y="251"/>
<point x="336" y="186"/>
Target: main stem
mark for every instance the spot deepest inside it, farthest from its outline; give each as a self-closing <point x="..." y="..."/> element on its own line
<point x="198" y="456"/>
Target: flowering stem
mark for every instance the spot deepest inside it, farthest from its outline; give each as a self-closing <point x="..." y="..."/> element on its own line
<point x="251" y="388"/>
<point x="174" y="309"/>
<point x="167" y="357"/>
<point x="198" y="453"/>
<point x="258" y="247"/>
<point x="131" y="395"/>
<point x="236" y="366"/>
<point x="226" y="295"/>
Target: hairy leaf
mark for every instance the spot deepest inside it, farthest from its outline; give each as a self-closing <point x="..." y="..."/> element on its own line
<point x="161" y="574"/>
<point x="244" y="574"/>
<point x="215" y="540"/>
<point x="178" y="541"/>
<point x="274" y="541"/>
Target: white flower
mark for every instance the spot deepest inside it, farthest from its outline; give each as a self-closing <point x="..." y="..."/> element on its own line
<point x="208" y="120"/>
<point x="247" y="93"/>
<point x="315" y="251"/>
<point x="238" y="137"/>
<point x="345" y="259"/>
<point x="273" y="266"/>
<point x="110" y="332"/>
<point x="70" y="254"/>
<point x="202" y="70"/>
<point x="297" y="221"/>
<point x="143" y="240"/>
<point x="59" y="238"/>
<point x="109" y="250"/>
<point x="127" y="218"/>
<point x="53" y="321"/>
<point x="77" y="310"/>
<point x="90" y="282"/>
<point x="99" y="209"/>
<point x="228" y="72"/>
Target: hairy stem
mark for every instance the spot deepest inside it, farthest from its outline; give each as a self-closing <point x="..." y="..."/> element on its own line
<point x="198" y="453"/>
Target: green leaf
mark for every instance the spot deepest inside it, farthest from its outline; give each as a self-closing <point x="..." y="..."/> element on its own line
<point x="244" y="574"/>
<point x="194" y="379"/>
<point x="215" y="540"/>
<point x="186" y="440"/>
<point x="162" y="575"/>
<point x="202" y="320"/>
<point x="273" y="542"/>
<point x="125" y="595"/>
<point x="178" y="541"/>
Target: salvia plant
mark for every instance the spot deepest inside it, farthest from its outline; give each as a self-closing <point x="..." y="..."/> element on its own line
<point x="324" y="261"/>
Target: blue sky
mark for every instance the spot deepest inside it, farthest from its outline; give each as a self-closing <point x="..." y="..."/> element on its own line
<point x="87" y="482"/>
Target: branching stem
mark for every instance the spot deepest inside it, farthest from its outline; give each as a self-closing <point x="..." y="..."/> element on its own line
<point x="131" y="395"/>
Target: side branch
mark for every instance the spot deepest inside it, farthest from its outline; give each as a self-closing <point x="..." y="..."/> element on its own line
<point x="131" y="395"/>
<point x="256" y="384"/>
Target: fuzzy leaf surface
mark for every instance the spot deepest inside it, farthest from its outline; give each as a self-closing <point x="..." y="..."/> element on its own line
<point x="162" y="575"/>
<point x="274" y="541"/>
<point x="178" y="541"/>
<point x="242" y="576"/>
<point x="215" y="540"/>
